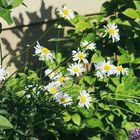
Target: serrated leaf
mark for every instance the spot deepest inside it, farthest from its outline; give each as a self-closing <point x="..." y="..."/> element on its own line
<point x="4" y="123"/>
<point x="76" y="119"/>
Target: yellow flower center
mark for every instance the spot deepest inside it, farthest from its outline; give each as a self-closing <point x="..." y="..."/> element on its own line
<point x="89" y="46"/>
<point x="66" y="11"/>
<point x="76" y="69"/>
<point x="53" y="90"/>
<point x="45" y="50"/>
<point x="119" y="68"/>
<point x="62" y="79"/>
<point x="83" y="99"/>
<point x="107" y="67"/>
<point x="111" y="31"/>
<point x="63" y="100"/>
<point x="80" y="55"/>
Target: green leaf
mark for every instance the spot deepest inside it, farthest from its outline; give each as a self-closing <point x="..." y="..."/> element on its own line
<point x="115" y="80"/>
<point x="32" y="75"/>
<point x="83" y="25"/>
<point x="105" y="107"/>
<point x="111" y="117"/>
<point x="67" y="117"/>
<point x="89" y="38"/>
<point x="137" y="61"/>
<point x="89" y="79"/>
<point x="124" y="59"/>
<point x="121" y="135"/>
<point x="128" y="125"/>
<point x="92" y="123"/>
<point x="96" y="58"/>
<point x="4" y="123"/>
<point x="131" y="13"/>
<point x="133" y="106"/>
<point x="5" y="14"/>
<point x="86" y="113"/>
<point x="76" y="119"/>
<point x="120" y="88"/>
<point x="58" y="57"/>
<point x="20" y="93"/>
<point x="3" y="3"/>
<point x="137" y="4"/>
<point x="100" y="115"/>
<point x="15" y="3"/>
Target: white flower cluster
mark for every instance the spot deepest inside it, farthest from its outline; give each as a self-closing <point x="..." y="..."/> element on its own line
<point x="105" y="69"/>
<point x="64" y="99"/>
<point x="111" y="29"/>
<point x="80" y="59"/>
<point x="58" y="80"/>
<point x="3" y="74"/>
<point x="77" y="68"/>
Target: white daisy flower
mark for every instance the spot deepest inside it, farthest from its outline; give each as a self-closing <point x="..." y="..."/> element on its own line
<point x="64" y="99"/>
<point x="44" y="53"/>
<point x="105" y="69"/>
<point x="89" y="46"/>
<point x="65" y="12"/>
<point x="61" y="79"/>
<point x="79" y="56"/>
<point x="113" y="31"/>
<point x="3" y="74"/>
<point x="51" y="74"/>
<point x="84" y="99"/>
<point x="52" y="88"/>
<point x="76" y="69"/>
<point x="120" y="70"/>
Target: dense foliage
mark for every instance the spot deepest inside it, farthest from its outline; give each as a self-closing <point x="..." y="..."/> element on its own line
<point x="101" y="100"/>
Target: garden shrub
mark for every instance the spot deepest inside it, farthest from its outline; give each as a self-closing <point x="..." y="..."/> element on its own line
<point x="92" y="94"/>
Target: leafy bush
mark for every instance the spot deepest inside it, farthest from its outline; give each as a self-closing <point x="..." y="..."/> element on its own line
<point x="94" y="93"/>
